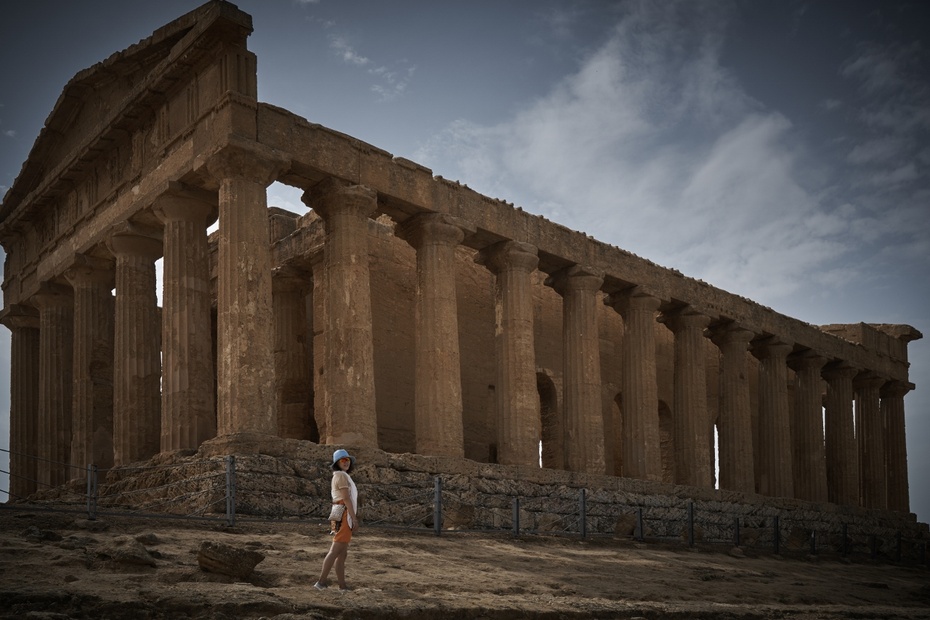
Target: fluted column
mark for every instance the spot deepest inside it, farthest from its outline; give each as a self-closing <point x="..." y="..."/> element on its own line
<point x="92" y="407"/>
<point x="870" y="431"/>
<point x="56" y="333"/>
<point x="581" y="368"/>
<point x="517" y="396"/>
<point x="892" y="395"/>
<point x="136" y="363"/>
<point x="188" y="416"/>
<point x="23" y="323"/>
<point x="775" y="475"/>
<point x="349" y="350"/>
<point x="840" y="436"/>
<point x="809" y="458"/>
<point x="734" y="425"/>
<point x="321" y="407"/>
<point x="245" y="334"/>
<point x="438" y="383"/>
<point x="692" y="425"/>
<point x="641" y="448"/>
<point x="293" y="385"/>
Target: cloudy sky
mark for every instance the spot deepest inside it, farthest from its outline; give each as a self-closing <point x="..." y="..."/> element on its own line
<point x="777" y="149"/>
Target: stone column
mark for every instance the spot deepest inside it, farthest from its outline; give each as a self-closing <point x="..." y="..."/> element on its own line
<point x="438" y="382"/>
<point x="349" y="348"/>
<point x="23" y="323"/>
<point x="292" y="367"/>
<point x="734" y="426"/>
<point x="322" y="410"/>
<point x="581" y="368"/>
<point x="692" y="425"/>
<point x="809" y="459"/>
<point x="56" y="333"/>
<point x="775" y="475"/>
<point x="188" y="416"/>
<point x="517" y="396"/>
<point x="245" y="334"/>
<point x="92" y="407"/>
<point x="892" y="404"/>
<point x="639" y="441"/>
<point x="840" y="437"/>
<point x="870" y="431"/>
<point x="136" y="363"/>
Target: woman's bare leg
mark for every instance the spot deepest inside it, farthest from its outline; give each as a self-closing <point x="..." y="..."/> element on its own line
<point x="340" y="566"/>
<point x="335" y="551"/>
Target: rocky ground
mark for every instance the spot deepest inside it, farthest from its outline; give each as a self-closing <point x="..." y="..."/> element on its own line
<point x="58" y="565"/>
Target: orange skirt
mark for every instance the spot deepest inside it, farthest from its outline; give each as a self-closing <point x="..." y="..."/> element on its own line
<point x="344" y="533"/>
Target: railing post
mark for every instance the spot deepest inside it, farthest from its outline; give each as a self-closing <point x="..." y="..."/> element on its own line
<point x="640" y="533"/>
<point x="584" y="514"/>
<point x="92" y="492"/>
<point x="845" y="540"/>
<point x="776" y="538"/>
<point x="736" y="532"/>
<point x="516" y="517"/>
<point x="873" y="543"/>
<point x="437" y="505"/>
<point x="230" y="490"/>
<point x="897" y="553"/>
<point x="813" y="542"/>
<point x="690" y="524"/>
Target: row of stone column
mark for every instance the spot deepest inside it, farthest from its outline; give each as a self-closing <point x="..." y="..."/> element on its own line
<point x="101" y="380"/>
<point x="790" y="458"/>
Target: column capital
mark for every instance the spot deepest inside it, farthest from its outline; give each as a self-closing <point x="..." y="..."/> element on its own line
<point x="633" y="298"/>
<point x="895" y="389"/>
<point x="684" y="318"/>
<point x="732" y="334"/>
<point x="180" y="202"/>
<point x="52" y="295"/>
<point x="806" y="360"/>
<point x="19" y="316"/>
<point x="509" y="254"/>
<point x="289" y="278"/>
<point x="86" y="269"/>
<point x="433" y="229"/>
<point x="868" y="379"/>
<point x="131" y="239"/>
<point x="770" y="347"/>
<point x="576" y="278"/>
<point x="838" y="370"/>
<point x="244" y="159"/>
<point x="331" y="194"/>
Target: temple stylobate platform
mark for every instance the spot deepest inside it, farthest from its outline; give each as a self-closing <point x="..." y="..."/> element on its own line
<point x="404" y="312"/>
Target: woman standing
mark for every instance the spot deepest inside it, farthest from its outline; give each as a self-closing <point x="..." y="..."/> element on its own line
<point x="344" y="494"/>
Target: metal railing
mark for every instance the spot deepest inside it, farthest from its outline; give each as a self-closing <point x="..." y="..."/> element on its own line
<point x="209" y="489"/>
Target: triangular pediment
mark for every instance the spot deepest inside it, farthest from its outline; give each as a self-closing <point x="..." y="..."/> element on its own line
<point x="106" y="98"/>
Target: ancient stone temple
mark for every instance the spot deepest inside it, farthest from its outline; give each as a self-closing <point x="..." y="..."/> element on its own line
<point x="403" y="312"/>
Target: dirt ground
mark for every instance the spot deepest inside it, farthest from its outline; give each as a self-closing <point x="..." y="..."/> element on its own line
<point x="59" y="566"/>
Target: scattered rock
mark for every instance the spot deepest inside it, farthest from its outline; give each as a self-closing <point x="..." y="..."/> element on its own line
<point x="34" y="533"/>
<point x="126" y="550"/>
<point x="737" y="552"/>
<point x="148" y="539"/>
<point x="220" y="558"/>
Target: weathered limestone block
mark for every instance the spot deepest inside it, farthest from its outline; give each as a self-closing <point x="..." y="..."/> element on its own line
<point x="126" y="550"/>
<point x="217" y="557"/>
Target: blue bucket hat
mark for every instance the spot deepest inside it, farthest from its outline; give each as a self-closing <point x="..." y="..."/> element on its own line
<point x="342" y="454"/>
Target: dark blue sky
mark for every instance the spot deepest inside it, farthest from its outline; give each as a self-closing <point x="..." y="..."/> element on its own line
<point x="777" y="149"/>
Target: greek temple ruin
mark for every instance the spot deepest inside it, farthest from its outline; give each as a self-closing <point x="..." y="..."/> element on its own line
<point x="402" y="312"/>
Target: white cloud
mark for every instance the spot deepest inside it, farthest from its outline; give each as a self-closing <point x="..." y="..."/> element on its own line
<point x="347" y="52"/>
<point x="10" y="133"/>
